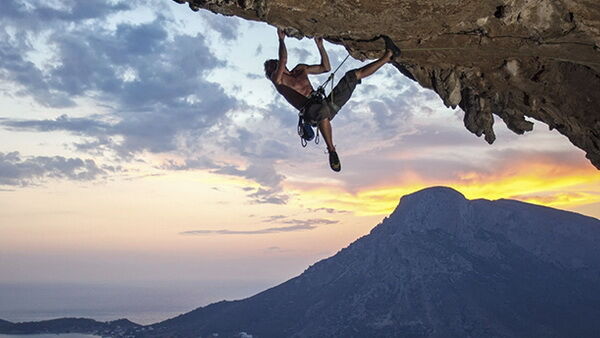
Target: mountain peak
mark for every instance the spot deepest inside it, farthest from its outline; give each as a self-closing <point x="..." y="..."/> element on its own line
<point x="430" y="208"/>
<point x="437" y="192"/>
<point x="440" y="265"/>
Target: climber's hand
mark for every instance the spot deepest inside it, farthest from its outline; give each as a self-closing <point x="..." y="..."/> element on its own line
<point x="280" y="33"/>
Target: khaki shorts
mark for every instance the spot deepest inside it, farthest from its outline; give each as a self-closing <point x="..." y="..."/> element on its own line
<point x="340" y="94"/>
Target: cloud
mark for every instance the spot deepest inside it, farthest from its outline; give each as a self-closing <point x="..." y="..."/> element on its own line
<point x="313" y="221"/>
<point x="553" y="197"/>
<point x="37" y="15"/>
<point x="199" y="162"/>
<point x="153" y="85"/>
<point x="329" y="210"/>
<point x="291" y="228"/>
<point x="255" y="145"/>
<point x="274" y="218"/>
<point x="260" y="171"/>
<point x="428" y="136"/>
<point x="254" y="76"/>
<point x="509" y="159"/>
<point x="269" y="196"/>
<point x="151" y="80"/>
<point x="24" y="24"/>
<point x="264" y="174"/>
<point x="296" y="225"/>
<point x="259" y="50"/>
<point x="82" y="126"/>
<point x="301" y="54"/>
<point x="386" y="110"/>
<point x="277" y="249"/>
<point x="18" y="171"/>
<point x="389" y="113"/>
<point x="228" y="28"/>
<point x="498" y="164"/>
<point x="281" y="112"/>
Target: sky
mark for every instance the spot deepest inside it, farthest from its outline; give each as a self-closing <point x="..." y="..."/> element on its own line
<point x="142" y="145"/>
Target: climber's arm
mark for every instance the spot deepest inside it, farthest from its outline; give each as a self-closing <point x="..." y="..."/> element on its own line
<point x="277" y="75"/>
<point x="324" y="67"/>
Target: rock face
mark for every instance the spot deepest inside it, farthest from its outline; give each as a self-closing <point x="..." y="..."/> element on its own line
<point x="439" y="266"/>
<point x="513" y="58"/>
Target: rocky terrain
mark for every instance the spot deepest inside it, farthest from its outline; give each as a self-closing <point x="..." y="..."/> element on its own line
<point x="512" y="58"/>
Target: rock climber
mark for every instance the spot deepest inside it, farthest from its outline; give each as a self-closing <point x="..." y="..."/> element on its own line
<point x="296" y="88"/>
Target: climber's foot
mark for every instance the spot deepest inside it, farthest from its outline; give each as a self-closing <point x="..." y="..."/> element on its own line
<point x="391" y="46"/>
<point x="334" y="161"/>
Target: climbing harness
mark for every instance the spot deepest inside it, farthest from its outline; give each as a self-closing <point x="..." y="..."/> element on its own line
<point x="305" y="127"/>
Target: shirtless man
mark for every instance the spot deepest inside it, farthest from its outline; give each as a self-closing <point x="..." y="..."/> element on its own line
<point x="296" y="88"/>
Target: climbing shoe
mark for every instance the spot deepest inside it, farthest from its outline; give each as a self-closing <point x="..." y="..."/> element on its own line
<point x="390" y="45"/>
<point x="334" y="161"/>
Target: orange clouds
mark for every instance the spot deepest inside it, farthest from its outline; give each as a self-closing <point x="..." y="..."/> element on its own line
<point x="536" y="179"/>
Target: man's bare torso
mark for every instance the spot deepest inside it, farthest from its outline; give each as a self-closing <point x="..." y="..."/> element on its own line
<point x="295" y="86"/>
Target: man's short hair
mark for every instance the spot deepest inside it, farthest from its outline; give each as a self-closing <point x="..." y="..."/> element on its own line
<point x="270" y="66"/>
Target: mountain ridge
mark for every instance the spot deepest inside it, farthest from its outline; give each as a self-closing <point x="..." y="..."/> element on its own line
<point x="409" y="266"/>
<point x="439" y="266"/>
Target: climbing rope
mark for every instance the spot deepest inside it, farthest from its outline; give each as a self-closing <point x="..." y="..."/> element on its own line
<point x="321" y="88"/>
<point x="330" y="78"/>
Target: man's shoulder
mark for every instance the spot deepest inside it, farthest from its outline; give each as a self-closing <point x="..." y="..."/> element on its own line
<point x="300" y="66"/>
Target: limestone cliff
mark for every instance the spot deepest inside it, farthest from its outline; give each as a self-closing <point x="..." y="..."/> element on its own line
<point x="513" y="58"/>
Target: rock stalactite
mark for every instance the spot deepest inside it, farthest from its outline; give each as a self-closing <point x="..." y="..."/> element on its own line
<point x="516" y="59"/>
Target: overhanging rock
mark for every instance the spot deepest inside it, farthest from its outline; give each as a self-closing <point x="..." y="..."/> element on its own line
<point x="512" y="58"/>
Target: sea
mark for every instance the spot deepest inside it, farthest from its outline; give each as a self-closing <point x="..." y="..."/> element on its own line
<point x="141" y="302"/>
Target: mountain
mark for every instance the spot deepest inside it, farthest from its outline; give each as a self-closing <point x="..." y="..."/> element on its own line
<point x="4" y="324"/>
<point x="510" y="58"/>
<point x="116" y="328"/>
<point x="439" y="266"/>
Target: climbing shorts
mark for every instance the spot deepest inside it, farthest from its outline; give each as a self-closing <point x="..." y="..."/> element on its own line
<point x="341" y="93"/>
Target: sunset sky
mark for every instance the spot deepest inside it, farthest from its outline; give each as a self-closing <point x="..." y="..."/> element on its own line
<point x="142" y="143"/>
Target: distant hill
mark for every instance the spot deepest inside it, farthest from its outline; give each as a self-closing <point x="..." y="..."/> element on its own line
<point x="439" y="266"/>
<point x="115" y="328"/>
<point x="4" y="324"/>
